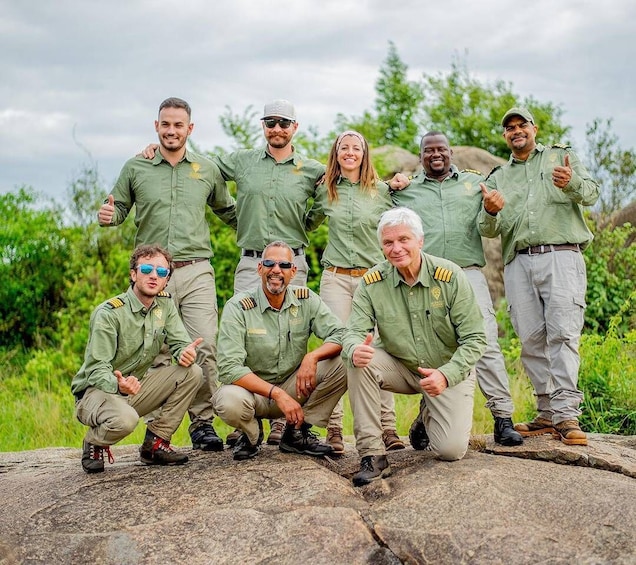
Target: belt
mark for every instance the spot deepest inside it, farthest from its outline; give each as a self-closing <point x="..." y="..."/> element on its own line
<point x="350" y="272"/>
<point x="259" y="254"/>
<point x="548" y="248"/>
<point x="179" y="264"/>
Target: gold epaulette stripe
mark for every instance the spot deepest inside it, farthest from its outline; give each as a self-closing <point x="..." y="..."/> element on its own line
<point x="301" y="292"/>
<point x="248" y="303"/>
<point x="372" y="277"/>
<point x="561" y="145"/>
<point x="475" y="171"/>
<point x="165" y="294"/>
<point x="115" y="302"/>
<point x="442" y="274"/>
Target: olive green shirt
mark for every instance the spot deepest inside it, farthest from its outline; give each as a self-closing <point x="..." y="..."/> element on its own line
<point x="170" y="202"/>
<point x="256" y="338"/>
<point x="436" y="323"/>
<point x="535" y="211"/>
<point x="353" y="222"/>
<point x="448" y="210"/>
<point x="126" y="336"/>
<point x="271" y="196"/>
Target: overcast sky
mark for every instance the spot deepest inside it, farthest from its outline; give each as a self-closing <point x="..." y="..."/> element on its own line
<point x="83" y="77"/>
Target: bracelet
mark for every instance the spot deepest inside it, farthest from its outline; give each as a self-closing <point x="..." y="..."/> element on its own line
<point x="269" y="396"/>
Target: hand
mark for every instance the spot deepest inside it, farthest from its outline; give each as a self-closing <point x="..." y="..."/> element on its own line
<point x="561" y="176"/>
<point x="434" y="381"/>
<point x="306" y="376"/>
<point x="363" y="353"/>
<point x="149" y="151"/>
<point x="493" y="200"/>
<point x="189" y="354"/>
<point x="399" y="181"/>
<point x="127" y="385"/>
<point x="106" y="212"/>
<point x="290" y="408"/>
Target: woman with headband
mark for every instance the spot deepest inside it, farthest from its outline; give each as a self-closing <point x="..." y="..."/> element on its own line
<point x="353" y="198"/>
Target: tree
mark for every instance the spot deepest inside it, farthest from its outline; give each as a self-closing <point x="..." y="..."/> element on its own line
<point x="612" y="166"/>
<point x="242" y="128"/>
<point x="470" y="112"/>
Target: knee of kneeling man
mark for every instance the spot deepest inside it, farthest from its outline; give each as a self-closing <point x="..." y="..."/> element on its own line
<point x="195" y="372"/>
<point x="452" y="451"/>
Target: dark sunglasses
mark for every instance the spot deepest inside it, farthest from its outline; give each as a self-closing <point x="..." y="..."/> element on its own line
<point x="284" y="123"/>
<point x="146" y="269"/>
<point x="269" y="263"/>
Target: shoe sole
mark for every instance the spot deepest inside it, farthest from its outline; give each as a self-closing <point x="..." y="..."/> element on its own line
<point x="383" y="475"/>
<point x="250" y="456"/>
<point x="288" y="449"/>
<point x="509" y="443"/>
<point x="539" y="432"/>
<point x="153" y="462"/>
<point x="395" y="446"/>
<point x="578" y="441"/>
<point x="271" y="441"/>
<point x="208" y="446"/>
<point x="93" y="471"/>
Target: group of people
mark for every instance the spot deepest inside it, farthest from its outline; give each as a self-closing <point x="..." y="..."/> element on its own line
<point x="403" y="305"/>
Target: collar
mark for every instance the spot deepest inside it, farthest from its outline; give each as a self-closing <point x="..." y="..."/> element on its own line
<point x="135" y="304"/>
<point x="189" y="156"/>
<point x="454" y="172"/>
<point x="539" y="148"/>
<point x="263" y="304"/>
<point x="294" y="158"/>
<point x="423" y="277"/>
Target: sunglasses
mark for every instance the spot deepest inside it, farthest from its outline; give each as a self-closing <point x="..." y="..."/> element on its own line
<point x="284" y="123"/>
<point x="146" y="269"/>
<point x="269" y="263"/>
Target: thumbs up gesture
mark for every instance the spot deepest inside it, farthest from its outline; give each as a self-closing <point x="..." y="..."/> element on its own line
<point x="189" y="354"/>
<point x="493" y="200"/>
<point x="562" y="175"/>
<point x="106" y="212"/>
<point x="363" y="353"/>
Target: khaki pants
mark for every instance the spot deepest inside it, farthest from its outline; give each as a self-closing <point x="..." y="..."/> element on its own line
<point x="111" y="417"/>
<point x="448" y="417"/>
<point x="336" y="291"/>
<point x="239" y="407"/>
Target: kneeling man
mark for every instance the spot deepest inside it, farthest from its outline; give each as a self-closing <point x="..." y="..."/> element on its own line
<point x="431" y="333"/>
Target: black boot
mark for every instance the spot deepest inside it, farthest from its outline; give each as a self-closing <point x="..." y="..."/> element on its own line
<point x="303" y="441"/>
<point x="372" y="468"/>
<point x="93" y="457"/>
<point x="417" y="434"/>
<point x="205" y="438"/>
<point x="157" y="451"/>
<point x="505" y="433"/>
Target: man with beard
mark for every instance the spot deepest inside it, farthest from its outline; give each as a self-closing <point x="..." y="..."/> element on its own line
<point x="170" y="193"/>
<point x="115" y="385"/>
<point x="535" y="201"/>
<point x="264" y="365"/>
<point x="447" y="201"/>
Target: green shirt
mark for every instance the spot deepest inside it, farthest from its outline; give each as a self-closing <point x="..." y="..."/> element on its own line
<point x="126" y="336"/>
<point x="170" y="202"/>
<point x="535" y="211"/>
<point x="353" y="222"/>
<point x="271" y="196"/>
<point x="433" y="323"/>
<point x="256" y="338"/>
<point x="448" y="210"/>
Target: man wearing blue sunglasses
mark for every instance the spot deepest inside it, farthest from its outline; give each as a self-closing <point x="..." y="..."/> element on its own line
<point x="116" y="384"/>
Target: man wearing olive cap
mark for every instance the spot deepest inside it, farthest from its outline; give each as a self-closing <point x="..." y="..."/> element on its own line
<point x="535" y="202"/>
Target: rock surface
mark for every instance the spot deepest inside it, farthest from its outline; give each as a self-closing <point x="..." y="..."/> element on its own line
<point x="280" y="508"/>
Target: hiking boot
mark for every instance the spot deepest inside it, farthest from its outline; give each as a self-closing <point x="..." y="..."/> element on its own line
<point x="205" y="438"/>
<point x="570" y="433"/>
<point x="417" y="435"/>
<point x="303" y="441"/>
<point x="232" y="437"/>
<point x="505" y="433"/>
<point x="536" y="427"/>
<point x="157" y="451"/>
<point x="276" y="430"/>
<point x="243" y="449"/>
<point x="372" y="468"/>
<point x="392" y="441"/>
<point x="334" y="439"/>
<point x="93" y="457"/>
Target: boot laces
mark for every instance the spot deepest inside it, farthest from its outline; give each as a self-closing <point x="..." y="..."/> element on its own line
<point x="97" y="453"/>
<point x="161" y="444"/>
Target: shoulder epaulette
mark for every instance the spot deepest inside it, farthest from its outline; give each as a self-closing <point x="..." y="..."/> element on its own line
<point x="561" y="145"/>
<point x="302" y="292"/>
<point x="115" y="303"/>
<point x="164" y="294"/>
<point x="248" y="303"/>
<point x="442" y="274"/>
<point x="372" y="277"/>
<point x="493" y="170"/>
<point x="474" y="171"/>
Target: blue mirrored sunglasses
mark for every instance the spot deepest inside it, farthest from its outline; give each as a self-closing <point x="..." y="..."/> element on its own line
<point x="146" y="269"/>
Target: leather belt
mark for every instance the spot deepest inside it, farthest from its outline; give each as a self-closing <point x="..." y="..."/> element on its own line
<point x="258" y="254"/>
<point x="548" y="248"/>
<point x="350" y="272"/>
<point x="179" y="264"/>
